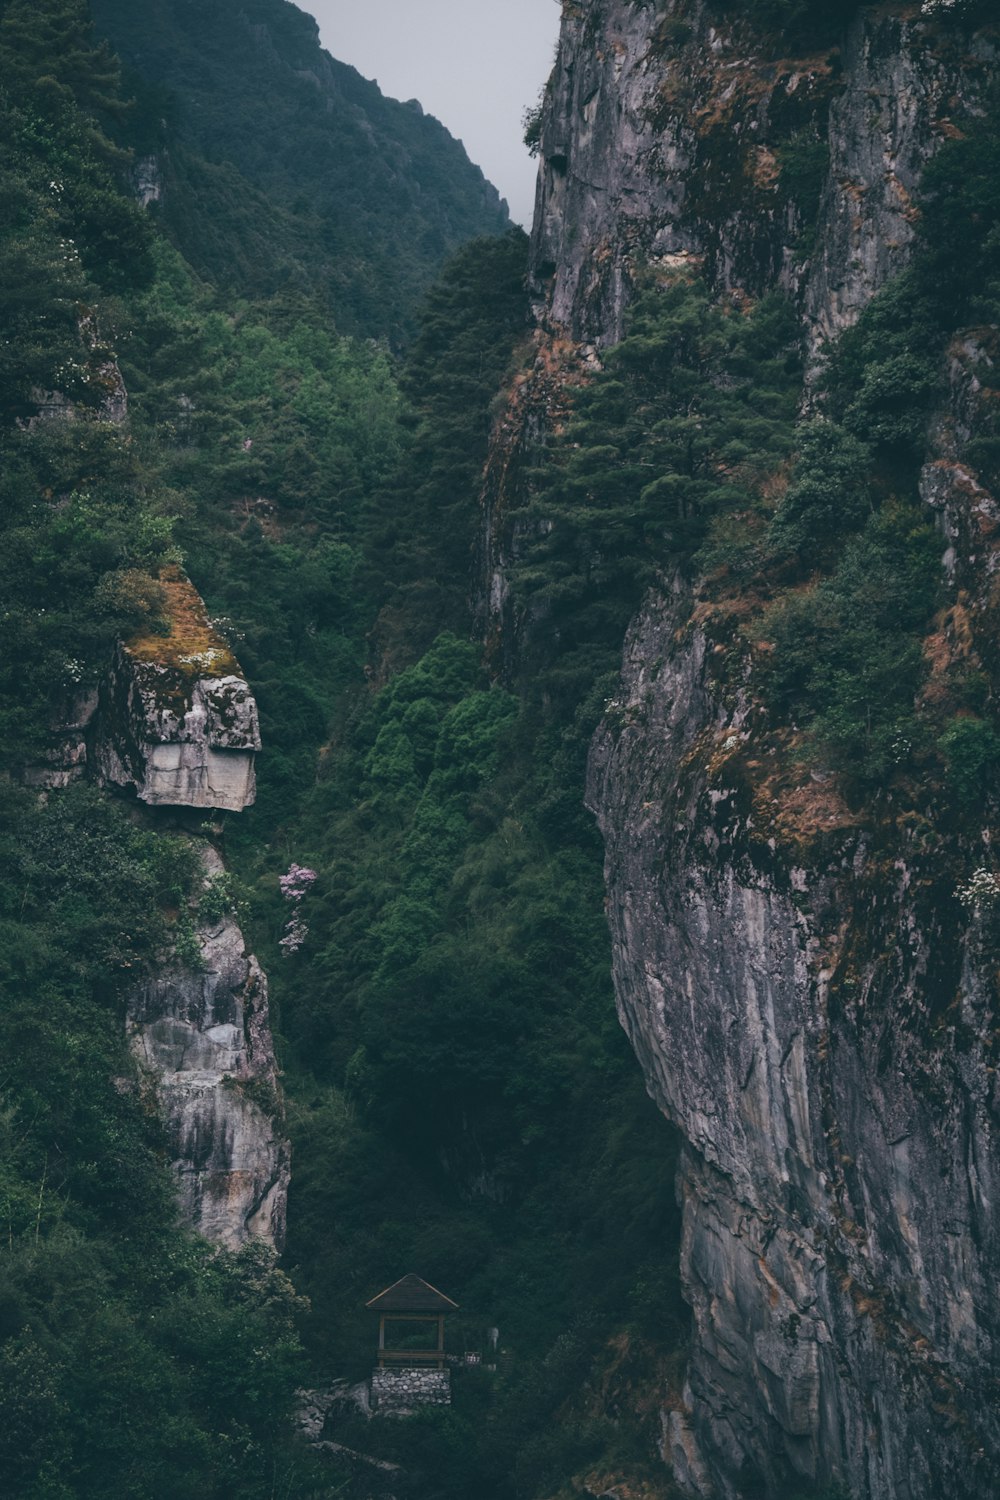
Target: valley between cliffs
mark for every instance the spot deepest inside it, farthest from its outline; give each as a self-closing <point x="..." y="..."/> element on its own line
<point x="531" y="759"/>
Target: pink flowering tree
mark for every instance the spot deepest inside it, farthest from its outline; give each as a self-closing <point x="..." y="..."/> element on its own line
<point x="294" y="887"/>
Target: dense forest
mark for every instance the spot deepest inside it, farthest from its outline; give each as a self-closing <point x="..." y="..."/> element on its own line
<point x="308" y="422"/>
<point x="456" y="949"/>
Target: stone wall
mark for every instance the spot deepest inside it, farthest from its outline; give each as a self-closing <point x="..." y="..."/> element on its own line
<point x="399" y="1392"/>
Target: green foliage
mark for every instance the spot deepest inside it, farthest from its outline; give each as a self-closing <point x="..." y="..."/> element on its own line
<point x="960" y="229"/>
<point x="421" y="531"/>
<point x="829" y="497"/>
<point x="804" y="164"/>
<point x="81" y="535"/>
<point x="693" y="412"/>
<point x="531" y="122"/>
<point x="130" y="1356"/>
<point x="290" y="174"/>
<point x="462" y="1099"/>
<point x="971" y="748"/>
<point x="886" y="371"/>
<point x="845" y="659"/>
<point x="806" y="23"/>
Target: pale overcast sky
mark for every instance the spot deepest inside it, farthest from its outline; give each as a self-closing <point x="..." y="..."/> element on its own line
<point x="475" y="64"/>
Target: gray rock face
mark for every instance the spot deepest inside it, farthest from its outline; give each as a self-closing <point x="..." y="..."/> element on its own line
<point x="661" y="141"/>
<point x="65" y="759"/>
<point x="203" y="1034"/>
<point x="180" y="739"/>
<point x="806" y="999"/>
<point x="147" y="180"/>
<point x="821" y="1030"/>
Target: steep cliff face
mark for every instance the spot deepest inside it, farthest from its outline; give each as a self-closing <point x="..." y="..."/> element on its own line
<point x="201" y="1029"/>
<point x="674" y="131"/>
<point x="801" y="987"/>
<point x="802" y="1005"/>
<point x="175" y="724"/>
<point x="676" y="136"/>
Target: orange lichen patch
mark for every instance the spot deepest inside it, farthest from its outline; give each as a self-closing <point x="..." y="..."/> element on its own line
<point x="802" y="813"/>
<point x="192" y="647"/>
<point x="791" y="803"/>
<point x="773" y="1290"/>
<point x="852" y="189"/>
<point x="950" y="643"/>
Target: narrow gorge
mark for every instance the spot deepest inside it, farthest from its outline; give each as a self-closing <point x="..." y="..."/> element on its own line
<point x="499" y="744"/>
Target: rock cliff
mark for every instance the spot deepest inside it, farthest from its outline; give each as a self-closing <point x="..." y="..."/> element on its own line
<point x="802" y="1005"/>
<point x="805" y="996"/>
<point x="200" y="1028"/>
<point x="673" y="130"/>
<point x="176" y="724"/>
<point x="177" y="721"/>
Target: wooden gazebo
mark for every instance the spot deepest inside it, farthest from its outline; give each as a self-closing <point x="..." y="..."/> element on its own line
<point x="411" y="1324"/>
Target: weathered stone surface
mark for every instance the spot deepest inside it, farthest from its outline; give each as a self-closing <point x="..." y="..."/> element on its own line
<point x="178" y="744"/>
<point x="318" y="1411"/>
<point x="147" y="180"/>
<point x="839" y="1244"/>
<point x="178" y="722"/>
<point x="660" y="141"/>
<point x="204" y="1035"/>
<point x="818" y="1023"/>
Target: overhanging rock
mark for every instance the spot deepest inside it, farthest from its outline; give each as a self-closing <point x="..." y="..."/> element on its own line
<point x="177" y="720"/>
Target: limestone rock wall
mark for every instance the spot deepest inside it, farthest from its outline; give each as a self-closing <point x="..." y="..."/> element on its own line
<point x="823" y="1033"/>
<point x="663" y="136"/>
<point x="202" y="1031"/>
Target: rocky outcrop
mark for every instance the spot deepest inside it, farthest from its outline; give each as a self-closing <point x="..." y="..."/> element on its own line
<point x="675" y="136"/>
<point x="177" y="722"/>
<point x="669" y="131"/>
<point x="200" y="1029"/>
<point x="807" y="1006"/>
<point x="147" y="180"/>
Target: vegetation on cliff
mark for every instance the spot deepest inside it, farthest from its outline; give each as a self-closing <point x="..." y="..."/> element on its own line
<point x="462" y="1100"/>
<point x="449" y="1020"/>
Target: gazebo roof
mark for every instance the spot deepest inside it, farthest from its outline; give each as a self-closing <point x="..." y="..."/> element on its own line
<point x="411" y="1295"/>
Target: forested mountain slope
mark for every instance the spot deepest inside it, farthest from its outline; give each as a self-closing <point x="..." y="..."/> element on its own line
<point x="281" y="169"/>
<point x="458" y="1094"/>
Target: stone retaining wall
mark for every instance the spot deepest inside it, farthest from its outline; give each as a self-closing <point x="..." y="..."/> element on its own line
<point x="398" y="1392"/>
